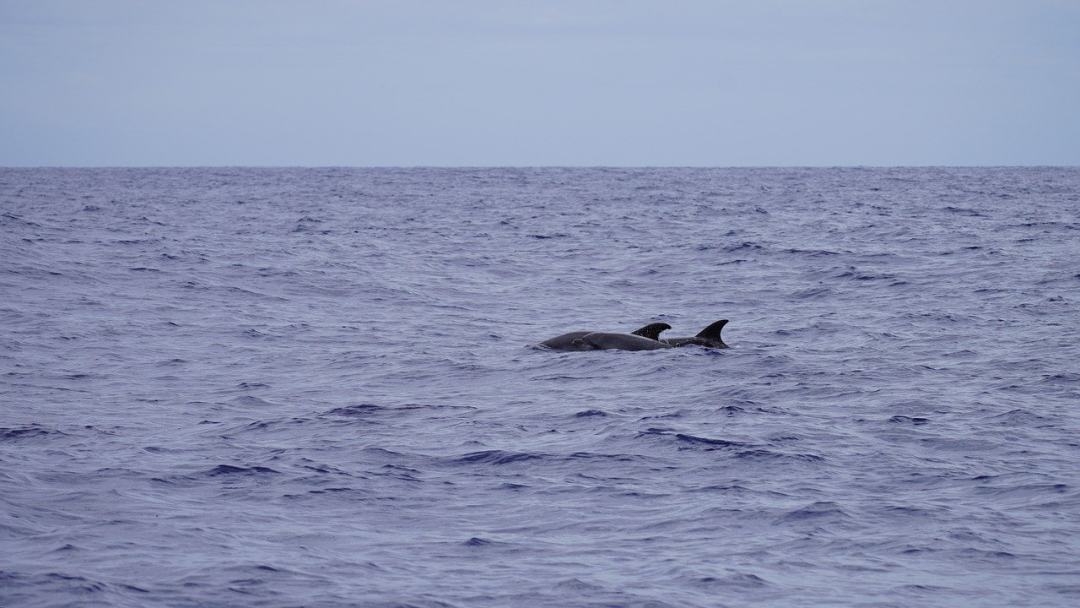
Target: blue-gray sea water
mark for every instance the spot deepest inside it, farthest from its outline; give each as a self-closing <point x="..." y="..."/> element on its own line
<point x="267" y="387"/>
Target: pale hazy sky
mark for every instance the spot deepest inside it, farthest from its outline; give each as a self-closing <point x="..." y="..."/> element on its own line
<point x="561" y="82"/>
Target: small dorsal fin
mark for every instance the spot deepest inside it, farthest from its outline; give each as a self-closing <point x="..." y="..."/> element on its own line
<point x="712" y="332"/>
<point x="651" y="331"/>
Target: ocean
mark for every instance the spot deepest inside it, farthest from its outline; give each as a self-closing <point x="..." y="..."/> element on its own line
<point x="320" y="387"/>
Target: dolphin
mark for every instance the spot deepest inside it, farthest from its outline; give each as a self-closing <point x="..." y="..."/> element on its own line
<point x="599" y="340"/>
<point x="644" y="338"/>
<point x="708" y="337"/>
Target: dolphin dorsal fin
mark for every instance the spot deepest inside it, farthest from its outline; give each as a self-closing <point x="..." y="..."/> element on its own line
<point x="712" y="332"/>
<point x="651" y="331"/>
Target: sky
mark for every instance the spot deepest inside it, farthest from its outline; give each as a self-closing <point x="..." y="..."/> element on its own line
<point x="539" y="83"/>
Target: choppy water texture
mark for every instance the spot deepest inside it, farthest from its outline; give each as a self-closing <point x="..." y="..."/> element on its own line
<point x="313" y="387"/>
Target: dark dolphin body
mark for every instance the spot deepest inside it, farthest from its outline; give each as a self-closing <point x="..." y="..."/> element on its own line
<point x="641" y="339"/>
<point x="708" y="337"/>
<point x="599" y="340"/>
<point x="646" y="338"/>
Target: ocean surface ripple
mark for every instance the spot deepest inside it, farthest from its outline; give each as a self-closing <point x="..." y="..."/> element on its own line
<point x="316" y="387"/>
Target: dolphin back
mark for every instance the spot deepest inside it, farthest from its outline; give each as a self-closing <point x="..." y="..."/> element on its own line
<point x="708" y="337"/>
<point x="568" y="341"/>
<point x="608" y="341"/>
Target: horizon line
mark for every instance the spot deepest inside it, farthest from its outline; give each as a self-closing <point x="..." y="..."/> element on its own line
<point x="544" y="166"/>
